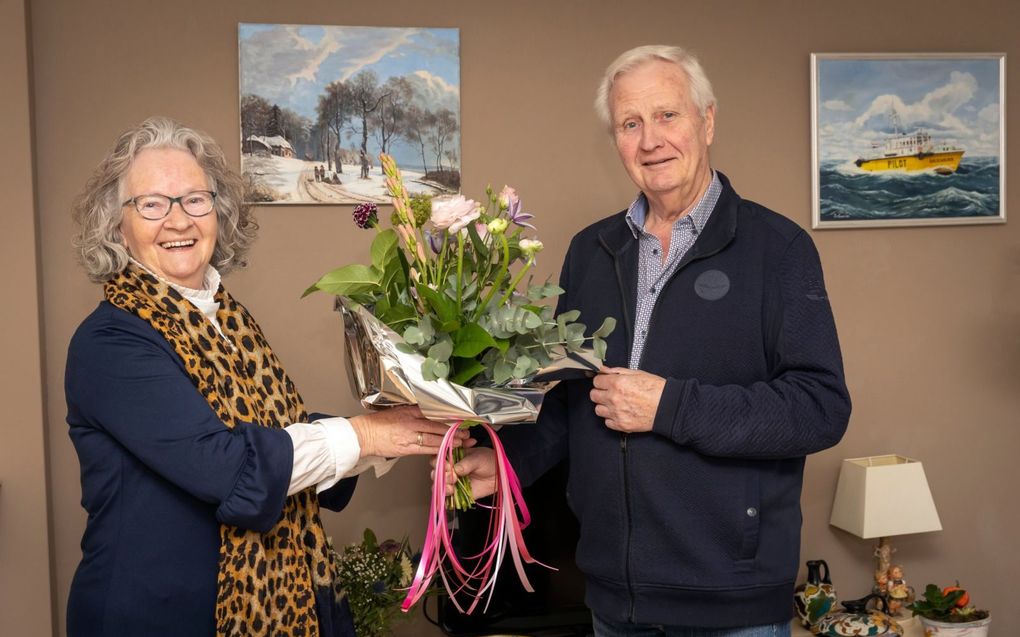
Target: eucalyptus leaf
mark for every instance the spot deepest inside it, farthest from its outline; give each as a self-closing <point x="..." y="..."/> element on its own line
<point x="413" y="335"/>
<point x="568" y="316"/>
<point x="441" y="350"/>
<point x="606" y="328"/>
<point x="502" y="372"/>
<point x="598" y="346"/>
<point x="525" y="366"/>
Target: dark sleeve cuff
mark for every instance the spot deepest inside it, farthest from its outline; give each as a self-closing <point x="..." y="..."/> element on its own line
<point x="259" y="493"/>
<point x="667" y="416"/>
<point x="339" y="495"/>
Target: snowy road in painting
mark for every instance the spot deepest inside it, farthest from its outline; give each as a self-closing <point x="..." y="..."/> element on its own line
<point x="289" y="180"/>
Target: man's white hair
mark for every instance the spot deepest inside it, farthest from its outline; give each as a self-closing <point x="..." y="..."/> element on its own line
<point x="698" y="85"/>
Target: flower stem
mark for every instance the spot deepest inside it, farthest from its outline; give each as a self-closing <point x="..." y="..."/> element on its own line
<point x="499" y="278"/>
<point x="461" y="500"/>
<point x="460" y="270"/>
<point x="517" y="279"/>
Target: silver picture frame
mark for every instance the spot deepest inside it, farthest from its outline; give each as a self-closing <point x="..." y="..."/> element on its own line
<point x="907" y="139"/>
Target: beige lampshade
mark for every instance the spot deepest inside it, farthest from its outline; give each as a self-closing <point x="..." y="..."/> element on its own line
<point x="881" y="496"/>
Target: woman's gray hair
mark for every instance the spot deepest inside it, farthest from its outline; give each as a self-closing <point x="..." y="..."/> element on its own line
<point x="99" y="210"/>
<point x="698" y="85"/>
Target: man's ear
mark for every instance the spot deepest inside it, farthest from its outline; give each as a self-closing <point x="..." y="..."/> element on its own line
<point x="709" y="119"/>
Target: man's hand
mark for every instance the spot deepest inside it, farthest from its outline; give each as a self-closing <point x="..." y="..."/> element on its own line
<point x="627" y="398"/>
<point x="480" y="466"/>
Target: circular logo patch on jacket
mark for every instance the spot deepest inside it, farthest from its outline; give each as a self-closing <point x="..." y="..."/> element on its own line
<point x="712" y="285"/>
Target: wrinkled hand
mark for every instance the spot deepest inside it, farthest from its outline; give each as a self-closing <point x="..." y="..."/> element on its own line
<point x="479" y="465"/>
<point x="627" y="398"/>
<point x="401" y="431"/>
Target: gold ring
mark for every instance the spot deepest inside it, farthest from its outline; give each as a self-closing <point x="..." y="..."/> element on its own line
<point x="421" y="439"/>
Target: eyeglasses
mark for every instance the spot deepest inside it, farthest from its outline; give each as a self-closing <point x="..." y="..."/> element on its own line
<point x="155" y="207"/>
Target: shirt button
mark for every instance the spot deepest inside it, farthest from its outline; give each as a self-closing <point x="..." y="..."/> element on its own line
<point x="652" y="290"/>
<point x="644" y="332"/>
<point x="655" y="251"/>
<point x="752" y="512"/>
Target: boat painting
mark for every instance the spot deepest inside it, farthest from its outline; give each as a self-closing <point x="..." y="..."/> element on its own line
<point x="907" y="139"/>
<point x="910" y="153"/>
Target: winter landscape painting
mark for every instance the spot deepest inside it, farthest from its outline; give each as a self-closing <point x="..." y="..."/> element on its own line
<point x="907" y="139"/>
<point x="320" y="103"/>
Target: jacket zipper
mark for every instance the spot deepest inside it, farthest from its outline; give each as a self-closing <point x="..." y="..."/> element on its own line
<point x="626" y="502"/>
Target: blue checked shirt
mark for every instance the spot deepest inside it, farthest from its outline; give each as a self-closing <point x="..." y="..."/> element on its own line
<point x="653" y="272"/>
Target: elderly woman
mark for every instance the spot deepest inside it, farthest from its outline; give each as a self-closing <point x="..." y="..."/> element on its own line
<point x="201" y="472"/>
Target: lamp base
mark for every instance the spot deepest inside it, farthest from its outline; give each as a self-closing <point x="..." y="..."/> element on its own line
<point x="889" y="581"/>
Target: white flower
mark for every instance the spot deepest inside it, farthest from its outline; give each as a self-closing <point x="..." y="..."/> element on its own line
<point x="454" y="213"/>
<point x="530" y="246"/>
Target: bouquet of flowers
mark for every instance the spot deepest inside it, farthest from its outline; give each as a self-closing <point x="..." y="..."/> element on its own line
<point x="373" y="575"/>
<point x="444" y="318"/>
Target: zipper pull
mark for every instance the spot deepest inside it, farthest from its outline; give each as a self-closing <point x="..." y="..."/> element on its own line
<point x="623" y="442"/>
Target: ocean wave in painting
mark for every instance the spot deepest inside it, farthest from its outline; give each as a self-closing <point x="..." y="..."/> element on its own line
<point x="847" y="193"/>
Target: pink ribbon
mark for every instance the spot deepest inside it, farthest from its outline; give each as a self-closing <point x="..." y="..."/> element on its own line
<point x="478" y="579"/>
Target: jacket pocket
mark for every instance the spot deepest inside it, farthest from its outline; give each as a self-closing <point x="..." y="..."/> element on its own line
<point x="752" y="517"/>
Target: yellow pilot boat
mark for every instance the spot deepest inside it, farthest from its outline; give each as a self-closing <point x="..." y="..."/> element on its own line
<point x="912" y="152"/>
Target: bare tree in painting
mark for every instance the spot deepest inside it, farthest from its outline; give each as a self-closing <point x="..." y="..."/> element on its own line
<point x="366" y="95"/>
<point x="444" y="126"/>
<point x="389" y="119"/>
<point x="335" y="109"/>
<point x="417" y="124"/>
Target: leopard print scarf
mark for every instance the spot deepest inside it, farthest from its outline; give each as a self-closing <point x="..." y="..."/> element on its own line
<point x="268" y="583"/>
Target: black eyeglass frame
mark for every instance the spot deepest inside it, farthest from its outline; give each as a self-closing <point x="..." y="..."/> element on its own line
<point x="173" y="200"/>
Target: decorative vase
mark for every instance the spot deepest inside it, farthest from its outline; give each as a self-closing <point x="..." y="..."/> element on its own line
<point x="935" y="628"/>
<point x="816" y="597"/>
<point x="857" y="621"/>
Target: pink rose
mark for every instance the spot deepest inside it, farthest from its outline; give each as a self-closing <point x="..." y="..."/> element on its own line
<point x="454" y="213"/>
<point x="508" y="199"/>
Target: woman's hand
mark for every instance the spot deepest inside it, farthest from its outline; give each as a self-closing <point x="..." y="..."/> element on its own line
<point x="401" y="431"/>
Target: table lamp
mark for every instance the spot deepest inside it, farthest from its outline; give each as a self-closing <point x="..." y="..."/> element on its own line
<point x="882" y="496"/>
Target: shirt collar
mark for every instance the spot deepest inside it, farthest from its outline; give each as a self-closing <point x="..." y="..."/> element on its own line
<point x="638" y="210"/>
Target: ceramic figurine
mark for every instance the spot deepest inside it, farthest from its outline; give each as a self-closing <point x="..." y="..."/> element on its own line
<point x="817" y="597"/>
<point x="899" y="594"/>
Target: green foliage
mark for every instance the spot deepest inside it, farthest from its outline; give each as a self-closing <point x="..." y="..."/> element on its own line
<point x="943" y="607"/>
<point x="372" y="576"/>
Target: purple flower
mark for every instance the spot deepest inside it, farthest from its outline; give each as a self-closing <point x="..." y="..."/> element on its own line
<point x="435" y="240"/>
<point x="366" y="215"/>
<point x="509" y="201"/>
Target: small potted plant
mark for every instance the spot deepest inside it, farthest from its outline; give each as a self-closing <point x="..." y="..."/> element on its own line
<point x="946" y="612"/>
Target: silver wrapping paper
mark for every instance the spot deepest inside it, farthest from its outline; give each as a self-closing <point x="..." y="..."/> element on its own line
<point x="383" y="376"/>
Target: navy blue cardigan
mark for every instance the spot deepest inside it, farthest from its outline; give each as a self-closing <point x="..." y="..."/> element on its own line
<point x="159" y="473"/>
<point x="697" y="523"/>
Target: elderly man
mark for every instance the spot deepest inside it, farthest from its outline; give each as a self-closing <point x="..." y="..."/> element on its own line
<point x="687" y="451"/>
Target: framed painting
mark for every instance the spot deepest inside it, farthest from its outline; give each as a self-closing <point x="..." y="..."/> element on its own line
<point x="907" y="139"/>
<point x="320" y="103"/>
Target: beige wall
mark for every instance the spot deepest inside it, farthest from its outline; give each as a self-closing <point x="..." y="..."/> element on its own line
<point x="25" y="595"/>
<point x="928" y="316"/>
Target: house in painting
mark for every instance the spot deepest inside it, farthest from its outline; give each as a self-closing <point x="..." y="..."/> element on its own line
<point x="274" y="145"/>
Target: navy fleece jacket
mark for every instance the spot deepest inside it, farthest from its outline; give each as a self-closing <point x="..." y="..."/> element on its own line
<point x="697" y="523"/>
